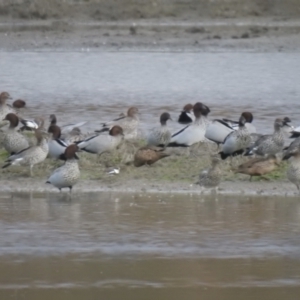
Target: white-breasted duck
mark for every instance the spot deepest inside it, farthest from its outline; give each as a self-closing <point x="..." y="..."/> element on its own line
<point x="128" y="123"/>
<point x="270" y="143"/>
<point x="68" y="174"/>
<point x="31" y="155"/>
<point x="13" y="141"/>
<point x="237" y="141"/>
<point x="101" y="143"/>
<point x="160" y="136"/>
<point x="195" y="132"/>
<point x="57" y="146"/>
<point x="249" y="119"/>
<point x="186" y="116"/>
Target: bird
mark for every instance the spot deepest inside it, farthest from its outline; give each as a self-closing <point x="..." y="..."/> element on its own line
<point x="160" y="136"/>
<point x="210" y="178"/>
<point x="56" y="145"/>
<point x="293" y="171"/>
<point x="195" y="132"/>
<point x="5" y="108"/>
<point x="65" y="128"/>
<point x="67" y="175"/>
<point x="19" y="103"/>
<point x="218" y="129"/>
<point x="101" y="143"/>
<point x="237" y="141"/>
<point x="295" y="133"/>
<point x="270" y="143"/>
<point x="148" y="155"/>
<point x="258" y="166"/>
<point x="31" y="155"/>
<point x="13" y="141"/>
<point x="186" y="116"/>
<point x="249" y="119"/>
<point x="128" y="123"/>
<point x="30" y="125"/>
<point x="293" y="147"/>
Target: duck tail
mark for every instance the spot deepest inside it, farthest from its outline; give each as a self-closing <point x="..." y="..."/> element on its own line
<point x="224" y="155"/>
<point x="6" y="165"/>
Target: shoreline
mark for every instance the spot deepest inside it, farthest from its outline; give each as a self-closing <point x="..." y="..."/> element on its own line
<point x="226" y="188"/>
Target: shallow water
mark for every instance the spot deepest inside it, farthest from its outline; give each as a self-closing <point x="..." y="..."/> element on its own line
<point x="125" y="246"/>
<point x="98" y="86"/>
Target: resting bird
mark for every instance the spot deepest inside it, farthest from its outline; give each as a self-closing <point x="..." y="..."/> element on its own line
<point x="148" y="155"/>
<point x="210" y="178"/>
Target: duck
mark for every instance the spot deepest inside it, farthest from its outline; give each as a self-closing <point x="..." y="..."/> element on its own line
<point x="65" y="128"/>
<point x="5" y="108"/>
<point x="75" y="135"/>
<point x="148" y="155"/>
<point x="293" y="147"/>
<point x="128" y="123"/>
<point x="249" y="119"/>
<point x="13" y="141"/>
<point x="101" y="143"/>
<point x="293" y="171"/>
<point x="195" y="132"/>
<point x="237" y="141"/>
<point x="19" y="103"/>
<point x="186" y="116"/>
<point x="32" y="155"/>
<point x="56" y="145"/>
<point x="295" y="133"/>
<point x="160" y="136"/>
<point x="30" y="125"/>
<point x="211" y="178"/>
<point x="219" y="129"/>
<point x="258" y="166"/>
<point x="67" y="175"/>
<point x="270" y="143"/>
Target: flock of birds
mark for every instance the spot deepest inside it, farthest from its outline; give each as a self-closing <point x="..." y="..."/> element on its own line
<point x="232" y="138"/>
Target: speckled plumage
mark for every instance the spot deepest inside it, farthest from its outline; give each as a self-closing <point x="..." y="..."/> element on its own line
<point x="211" y="177"/>
<point x="31" y="155"/>
<point x="65" y="176"/>
<point x="236" y="141"/>
<point x="4" y="108"/>
<point x="128" y="123"/>
<point x="292" y="148"/>
<point x="160" y="136"/>
<point x="269" y="144"/>
<point x="13" y="141"/>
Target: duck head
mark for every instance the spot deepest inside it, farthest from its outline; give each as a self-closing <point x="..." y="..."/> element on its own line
<point x="4" y="96"/>
<point x="188" y="108"/>
<point x="164" y="118"/>
<point x="132" y="112"/>
<point x="19" y="103"/>
<point x="70" y="151"/>
<point x="52" y="119"/>
<point x="55" y="130"/>
<point x="116" y="131"/>
<point x="13" y="120"/>
<point x="248" y="116"/>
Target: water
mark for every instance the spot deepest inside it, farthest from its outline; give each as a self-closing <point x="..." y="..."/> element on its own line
<point x="126" y="246"/>
<point x="98" y="86"/>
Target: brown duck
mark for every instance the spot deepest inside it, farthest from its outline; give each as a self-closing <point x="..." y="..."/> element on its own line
<point x="258" y="166"/>
<point x="148" y="155"/>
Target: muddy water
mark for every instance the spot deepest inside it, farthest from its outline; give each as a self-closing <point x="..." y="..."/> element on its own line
<point x="97" y="86"/>
<point x="114" y="246"/>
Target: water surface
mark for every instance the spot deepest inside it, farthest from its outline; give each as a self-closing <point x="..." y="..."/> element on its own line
<point x="127" y="246"/>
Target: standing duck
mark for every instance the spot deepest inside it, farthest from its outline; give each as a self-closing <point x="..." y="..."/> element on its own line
<point x="186" y="116"/>
<point x="31" y="155"/>
<point x="13" y="141"/>
<point x="101" y="143"/>
<point x="128" y="123"/>
<point x="211" y="178"/>
<point x="160" y="136"/>
<point x="236" y="141"/>
<point x="68" y="174"/>
<point x="195" y="132"/>
<point x="271" y="143"/>
<point x="148" y="155"/>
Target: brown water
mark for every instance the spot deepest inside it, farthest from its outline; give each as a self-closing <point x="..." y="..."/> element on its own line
<point x="125" y="246"/>
<point x="97" y="86"/>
